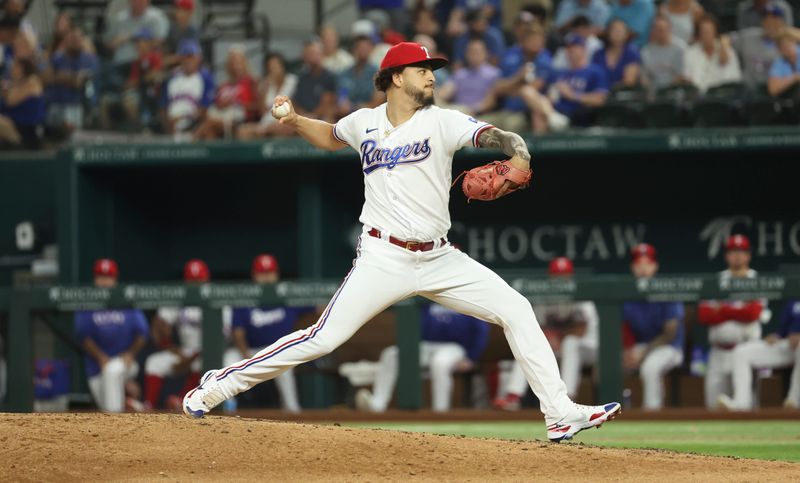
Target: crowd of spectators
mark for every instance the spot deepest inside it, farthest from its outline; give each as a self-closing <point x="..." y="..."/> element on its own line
<point x="551" y="68"/>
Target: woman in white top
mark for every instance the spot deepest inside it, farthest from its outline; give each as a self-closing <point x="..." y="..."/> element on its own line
<point x="277" y="82"/>
<point x="683" y="15"/>
<point x="711" y="61"/>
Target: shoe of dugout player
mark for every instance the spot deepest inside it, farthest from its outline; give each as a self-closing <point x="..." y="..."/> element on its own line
<point x="364" y="400"/>
<point x="585" y="417"/>
<point x="726" y="402"/>
<point x="204" y="397"/>
<point x="557" y="121"/>
<point x="510" y="402"/>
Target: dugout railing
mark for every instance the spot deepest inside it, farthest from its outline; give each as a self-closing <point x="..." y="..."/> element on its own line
<point x="607" y="291"/>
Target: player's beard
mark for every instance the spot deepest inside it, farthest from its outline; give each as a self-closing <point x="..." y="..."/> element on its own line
<point x="419" y="96"/>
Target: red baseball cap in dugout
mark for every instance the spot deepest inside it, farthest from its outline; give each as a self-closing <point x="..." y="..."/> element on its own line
<point x="409" y="53"/>
<point x="738" y="242"/>
<point x="643" y="250"/>
<point x="196" y="270"/>
<point x="265" y="263"/>
<point x="105" y="267"/>
<point x="185" y="4"/>
<point x="561" y="266"/>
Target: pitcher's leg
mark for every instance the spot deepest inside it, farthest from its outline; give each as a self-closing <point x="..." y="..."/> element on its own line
<point x="442" y="364"/>
<point x="288" y="391"/>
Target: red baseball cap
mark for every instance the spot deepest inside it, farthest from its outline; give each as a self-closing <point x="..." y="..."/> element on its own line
<point x="196" y="270"/>
<point x="265" y="263"/>
<point x="106" y="267"/>
<point x="408" y="53"/>
<point x="643" y="250"/>
<point x="185" y="4"/>
<point x="738" y="242"/>
<point x="561" y="266"/>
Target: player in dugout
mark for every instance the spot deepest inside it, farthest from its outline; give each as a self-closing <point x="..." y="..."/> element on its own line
<point x="253" y="329"/>
<point x="731" y="322"/>
<point x="571" y="328"/>
<point x="111" y="339"/>
<point x="183" y="357"/>
<point x="451" y="343"/>
<point x="652" y="332"/>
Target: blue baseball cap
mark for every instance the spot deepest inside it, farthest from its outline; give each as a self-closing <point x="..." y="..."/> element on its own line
<point x="774" y="9"/>
<point x="144" y="33"/>
<point x="574" y="39"/>
<point x="189" y="47"/>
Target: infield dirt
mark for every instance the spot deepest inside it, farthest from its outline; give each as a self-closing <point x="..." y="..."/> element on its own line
<point x="136" y="447"/>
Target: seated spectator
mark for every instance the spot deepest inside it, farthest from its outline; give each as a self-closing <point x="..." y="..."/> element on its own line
<point x="478" y="27"/>
<point x="15" y="10"/>
<point x="119" y="42"/>
<point x="471" y="86"/>
<point x="711" y="61"/>
<point x="140" y="99"/>
<point x="572" y="92"/>
<point x="619" y="59"/>
<point x="757" y="45"/>
<point x="316" y="86"/>
<point x="365" y="28"/>
<point x="784" y="74"/>
<point x="451" y="343"/>
<point x="235" y="102"/>
<point x="662" y="58"/>
<point x="72" y="67"/>
<point x="22" y="114"/>
<point x="111" y="340"/>
<point x="425" y="23"/>
<point x="752" y="12"/>
<point x="582" y="27"/>
<point x="356" y="88"/>
<point x="62" y="26"/>
<point x="187" y="94"/>
<point x="181" y="28"/>
<point x="23" y="46"/>
<point x="457" y="23"/>
<point x="597" y="11"/>
<point x="277" y="82"/>
<point x="683" y="15"/>
<point x="637" y="15"/>
<point x="522" y="65"/>
<point x="337" y="59"/>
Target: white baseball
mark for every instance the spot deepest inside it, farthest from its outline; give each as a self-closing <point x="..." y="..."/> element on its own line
<point x="281" y="110"/>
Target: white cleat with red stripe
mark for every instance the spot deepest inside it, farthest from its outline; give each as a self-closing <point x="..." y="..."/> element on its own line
<point x="584" y="418"/>
<point x="204" y="397"/>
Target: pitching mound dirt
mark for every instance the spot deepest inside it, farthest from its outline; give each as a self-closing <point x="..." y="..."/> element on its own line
<point x="99" y="447"/>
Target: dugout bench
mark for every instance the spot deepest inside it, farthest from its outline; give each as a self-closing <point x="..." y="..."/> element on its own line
<point x="607" y="291"/>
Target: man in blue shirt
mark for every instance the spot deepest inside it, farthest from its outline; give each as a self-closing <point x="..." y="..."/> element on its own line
<point x="70" y="70"/>
<point x="111" y="340"/>
<point x="253" y="329"/>
<point x="652" y="332"/>
<point x="785" y="71"/>
<point x="781" y="349"/>
<point x="638" y="15"/>
<point x="356" y="83"/>
<point x="451" y="342"/>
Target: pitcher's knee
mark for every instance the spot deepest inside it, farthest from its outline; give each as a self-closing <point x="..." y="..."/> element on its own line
<point x="515" y="310"/>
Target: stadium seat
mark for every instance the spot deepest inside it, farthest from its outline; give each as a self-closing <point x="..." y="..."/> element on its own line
<point x="770" y="112"/>
<point x="679" y="93"/>
<point x="665" y="114"/>
<point x="628" y="94"/>
<point x="730" y="90"/>
<point x="716" y="113"/>
<point x="619" y="115"/>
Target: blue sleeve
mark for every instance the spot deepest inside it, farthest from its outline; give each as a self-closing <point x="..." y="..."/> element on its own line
<point x="673" y="311"/>
<point x="598" y="59"/>
<point x="240" y="317"/>
<point x="780" y="68"/>
<point x="601" y="81"/>
<point x="140" y="324"/>
<point x="544" y="65"/>
<point x="83" y="325"/>
<point x="632" y="55"/>
<point x="479" y="339"/>
<point x="208" y="89"/>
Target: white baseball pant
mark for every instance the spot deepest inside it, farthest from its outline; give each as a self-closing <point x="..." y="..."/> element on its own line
<point x="440" y="357"/>
<point x="758" y="354"/>
<point x="285" y="383"/>
<point x="384" y="274"/>
<point x="655" y="364"/>
<point x="162" y="363"/>
<point x="575" y="353"/>
<point x="720" y="361"/>
<point x="108" y="387"/>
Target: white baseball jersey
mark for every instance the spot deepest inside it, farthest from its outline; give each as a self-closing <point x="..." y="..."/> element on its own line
<point x="733" y="332"/>
<point x="189" y="323"/>
<point x="408" y="168"/>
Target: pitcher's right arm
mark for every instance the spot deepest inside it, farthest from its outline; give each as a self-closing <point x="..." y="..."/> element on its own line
<point x="318" y="133"/>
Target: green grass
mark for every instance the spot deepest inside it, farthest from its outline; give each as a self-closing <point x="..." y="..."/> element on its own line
<point x="768" y="440"/>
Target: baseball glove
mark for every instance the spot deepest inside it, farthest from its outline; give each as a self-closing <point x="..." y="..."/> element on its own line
<point x="485" y="183"/>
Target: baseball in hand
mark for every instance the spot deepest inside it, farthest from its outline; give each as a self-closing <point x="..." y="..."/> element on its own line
<point x="281" y="110"/>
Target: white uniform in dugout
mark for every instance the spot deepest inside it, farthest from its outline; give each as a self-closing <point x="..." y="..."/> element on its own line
<point x="403" y="249"/>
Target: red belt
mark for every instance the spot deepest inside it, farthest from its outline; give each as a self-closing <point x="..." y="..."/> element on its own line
<point x="725" y="347"/>
<point x="414" y="246"/>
